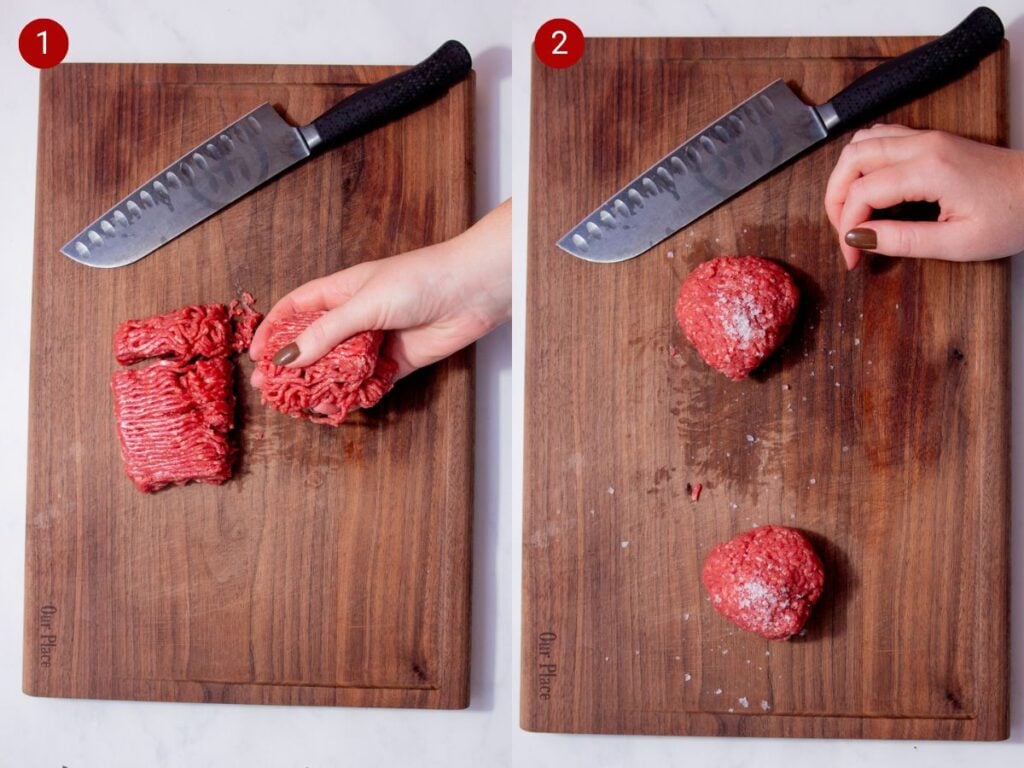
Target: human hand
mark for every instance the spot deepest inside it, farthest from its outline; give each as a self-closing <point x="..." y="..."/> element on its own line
<point x="979" y="189"/>
<point x="435" y="300"/>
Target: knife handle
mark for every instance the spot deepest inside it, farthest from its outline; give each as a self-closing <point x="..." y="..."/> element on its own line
<point x="391" y="98"/>
<point x="916" y="72"/>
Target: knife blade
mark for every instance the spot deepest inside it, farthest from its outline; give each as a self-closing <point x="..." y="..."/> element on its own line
<point x="761" y="134"/>
<point x="249" y="152"/>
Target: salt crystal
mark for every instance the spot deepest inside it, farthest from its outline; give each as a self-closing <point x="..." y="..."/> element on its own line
<point x="592" y="513"/>
<point x="718" y="691"/>
<point x="623" y="544"/>
<point x="731" y="709"/>
<point x="686" y="617"/>
<point x="611" y="490"/>
<point x="785" y="386"/>
<point x="812" y="481"/>
<point x="764" y="705"/>
<point x="856" y="342"/>
<point x="743" y="702"/>
<point x="837" y="383"/>
<point x="767" y="653"/>
<point x="751" y="439"/>
<point x="725" y="651"/>
<point x="678" y="657"/>
<point x="687" y="677"/>
<point x="670" y="254"/>
<point x="846" y="449"/>
<point x="733" y="505"/>
<point x="606" y="658"/>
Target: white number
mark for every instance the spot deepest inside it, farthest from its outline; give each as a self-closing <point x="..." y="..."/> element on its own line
<point x="42" y="35"/>
<point x="557" y="50"/>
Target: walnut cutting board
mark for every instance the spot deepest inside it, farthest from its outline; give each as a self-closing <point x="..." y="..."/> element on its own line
<point x="881" y="429"/>
<point x="334" y="568"/>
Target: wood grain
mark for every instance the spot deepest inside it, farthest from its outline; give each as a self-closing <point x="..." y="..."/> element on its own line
<point x="334" y="568"/>
<point x="880" y="429"/>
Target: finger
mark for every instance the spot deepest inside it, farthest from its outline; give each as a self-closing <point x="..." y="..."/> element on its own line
<point x="360" y="313"/>
<point x="859" y="159"/>
<point x="882" y="131"/>
<point x="317" y="295"/>
<point x="948" y="240"/>
<point x="880" y="189"/>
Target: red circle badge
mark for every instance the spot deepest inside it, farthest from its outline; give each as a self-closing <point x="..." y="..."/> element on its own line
<point x="43" y="43"/>
<point x="559" y="43"/>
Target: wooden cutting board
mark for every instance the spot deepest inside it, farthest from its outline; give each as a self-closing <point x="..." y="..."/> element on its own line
<point x="881" y="429"/>
<point x="334" y="567"/>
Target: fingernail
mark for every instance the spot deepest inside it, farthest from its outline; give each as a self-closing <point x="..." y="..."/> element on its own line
<point x="286" y="354"/>
<point x="863" y="238"/>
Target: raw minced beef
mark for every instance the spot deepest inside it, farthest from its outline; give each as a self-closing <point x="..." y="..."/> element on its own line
<point x="211" y="330"/>
<point x="353" y="374"/>
<point x="737" y="310"/>
<point x="173" y="421"/>
<point x="184" y="334"/>
<point x="765" y="580"/>
<point x="174" y="416"/>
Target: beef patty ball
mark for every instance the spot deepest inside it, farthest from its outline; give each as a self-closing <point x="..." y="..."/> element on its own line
<point x="765" y="580"/>
<point x="736" y="311"/>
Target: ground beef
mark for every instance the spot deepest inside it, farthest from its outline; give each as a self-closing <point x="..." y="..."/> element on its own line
<point x="765" y="580"/>
<point x="173" y="417"/>
<point x="244" y="319"/>
<point x="353" y="374"/>
<point x="184" y="334"/>
<point x="213" y="330"/>
<point x="173" y="420"/>
<point x="736" y="311"/>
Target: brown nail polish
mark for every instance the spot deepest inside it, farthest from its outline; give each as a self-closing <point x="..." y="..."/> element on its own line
<point x="863" y="238"/>
<point x="286" y="354"/>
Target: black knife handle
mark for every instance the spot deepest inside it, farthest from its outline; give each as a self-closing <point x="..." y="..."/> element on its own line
<point x="917" y="72"/>
<point x="391" y="98"/>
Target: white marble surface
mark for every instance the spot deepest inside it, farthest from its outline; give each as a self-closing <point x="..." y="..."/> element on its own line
<point x="53" y="732"/>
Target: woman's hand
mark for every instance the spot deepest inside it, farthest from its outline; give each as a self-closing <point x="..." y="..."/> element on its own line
<point x="979" y="189"/>
<point x="434" y="301"/>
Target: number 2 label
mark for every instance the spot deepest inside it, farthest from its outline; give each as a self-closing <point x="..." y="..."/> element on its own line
<point x="559" y="43"/>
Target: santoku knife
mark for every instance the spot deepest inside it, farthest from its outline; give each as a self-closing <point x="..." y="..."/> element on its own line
<point x="761" y="134"/>
<point x="247" y="153"/>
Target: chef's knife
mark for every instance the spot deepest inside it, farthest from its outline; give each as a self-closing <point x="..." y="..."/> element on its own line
<point x="247" y="153"/>
<point x="761" y="134"/>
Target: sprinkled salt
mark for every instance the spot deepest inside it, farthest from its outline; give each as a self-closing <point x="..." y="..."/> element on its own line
<point x="812" y="481"/>
<point x="686" y="617"/>
<point x="743" y="702"/>
<point x="623" y="544"/>
<point x="751" y="439"/>
<point x="687" y="677"/>
<point x="846" y="449"/>
<point x="856" y="342"/>
<point x="765" y="705"/>
<point x="725" y="651"/>
<point x="611" y="490"/>
<point x="718" y="691"/>
<point x="670" y="254"/>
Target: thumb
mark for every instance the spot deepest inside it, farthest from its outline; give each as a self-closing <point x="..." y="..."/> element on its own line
<point x="916" y="239"/>
<point x="328" y="331"/>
